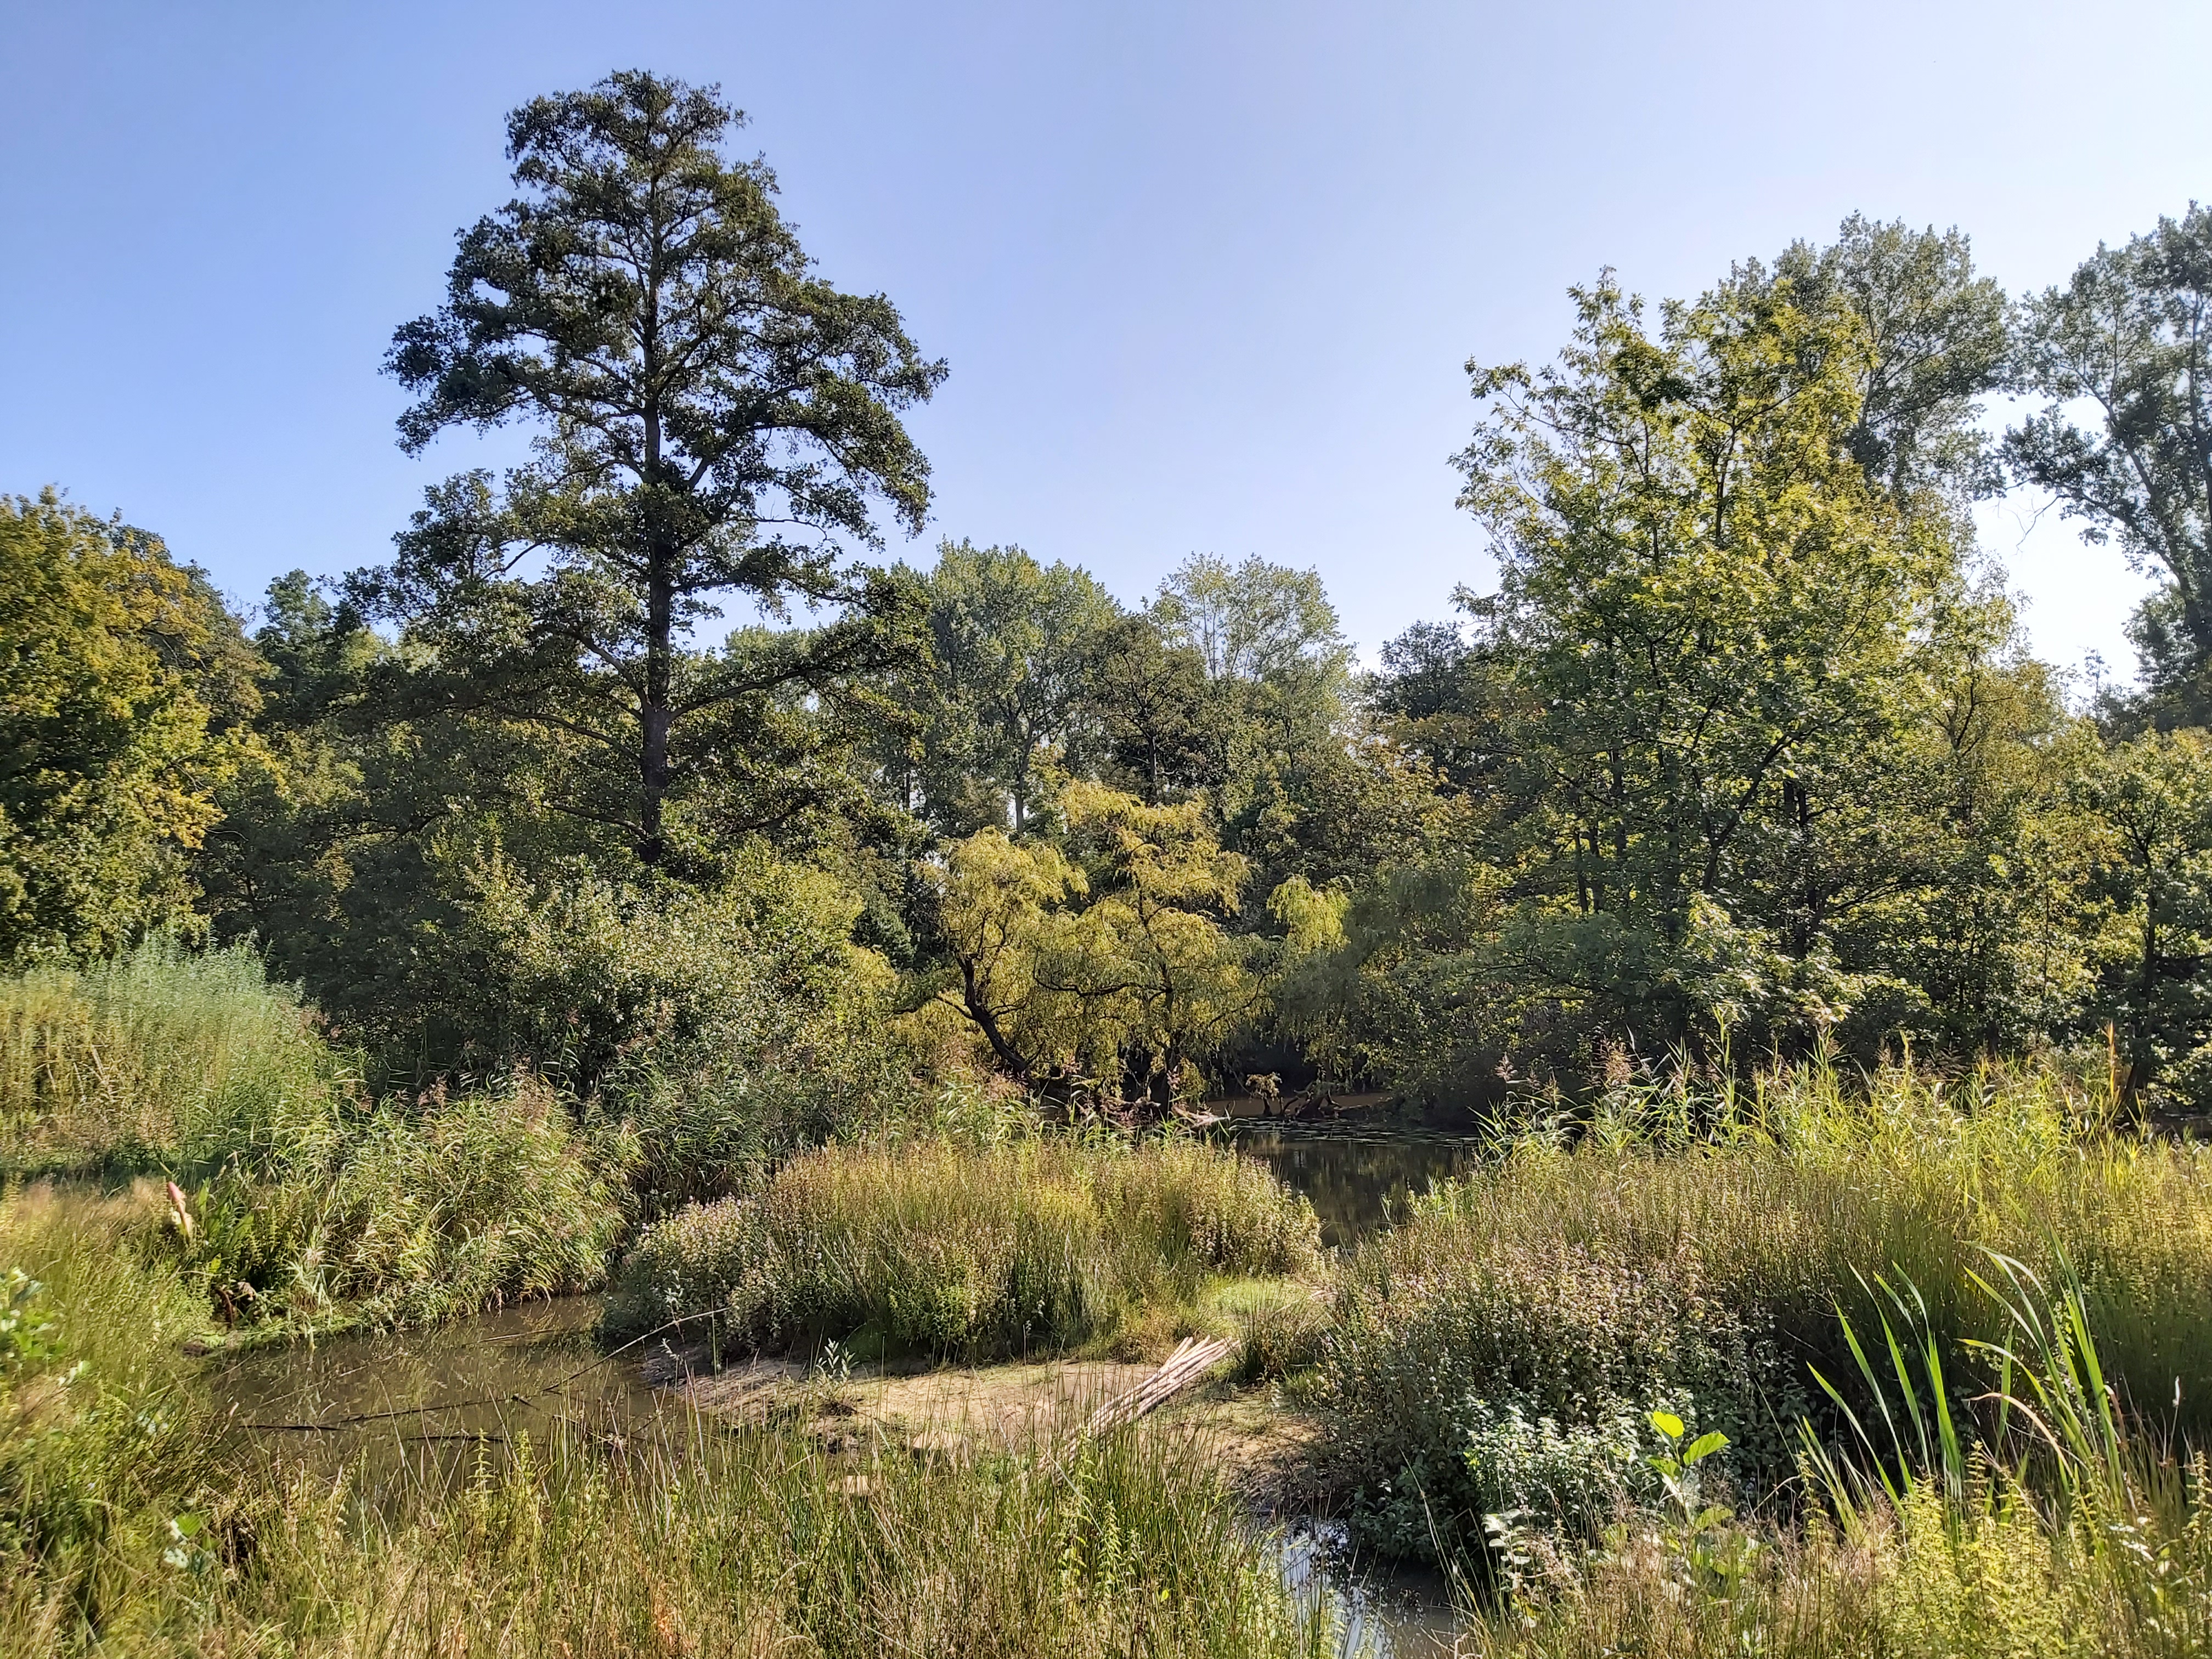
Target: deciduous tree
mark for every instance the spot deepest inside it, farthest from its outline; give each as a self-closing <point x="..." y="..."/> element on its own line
<point x="2131" y="336"/>
<point x="125" y="690"/>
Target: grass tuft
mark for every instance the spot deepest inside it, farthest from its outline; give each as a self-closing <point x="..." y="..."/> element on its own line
<point x="979" y="1251"/>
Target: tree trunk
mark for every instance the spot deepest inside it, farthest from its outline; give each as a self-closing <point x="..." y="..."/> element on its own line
<point x="656" y="714"/>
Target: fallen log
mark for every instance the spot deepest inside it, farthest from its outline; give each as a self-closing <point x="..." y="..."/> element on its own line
<point x="1191" y="1360"/>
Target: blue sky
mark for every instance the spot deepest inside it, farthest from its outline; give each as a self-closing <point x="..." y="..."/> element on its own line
<point x="1207" y="274"/>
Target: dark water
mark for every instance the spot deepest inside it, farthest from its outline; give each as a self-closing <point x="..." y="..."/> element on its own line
<point x="417" y="1404"/>
<point x="1396" y="1615"/>
<point x="1357" y="1178"/>
<point x="357" y="1402"/>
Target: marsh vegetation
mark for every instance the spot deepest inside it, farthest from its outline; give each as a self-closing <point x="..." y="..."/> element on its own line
<point x="1813" y="986"/>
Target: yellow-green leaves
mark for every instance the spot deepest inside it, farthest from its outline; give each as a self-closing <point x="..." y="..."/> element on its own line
<point x="1116" y="966"/>
<point x="120" y="677"/>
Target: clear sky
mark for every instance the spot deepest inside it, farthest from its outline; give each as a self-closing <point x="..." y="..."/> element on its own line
<point x="1206" y="274"/>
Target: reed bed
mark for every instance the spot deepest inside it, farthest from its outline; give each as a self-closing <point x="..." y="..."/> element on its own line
<point x="2037" y="1518"/>
<point x="165" y="1059"/>
<point x="979" y="1251"/>
<point x="1691" y="1254"/>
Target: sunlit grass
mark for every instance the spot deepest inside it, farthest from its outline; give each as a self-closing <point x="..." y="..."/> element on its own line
<point x="1031" y="1246"/>
<point x="164" y="1059"/>
<point x="688" y="1538"/>
<point x="1693" y="1251"/>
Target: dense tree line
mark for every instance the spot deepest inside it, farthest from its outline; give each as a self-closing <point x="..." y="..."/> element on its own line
<point x="1744" y="753"/>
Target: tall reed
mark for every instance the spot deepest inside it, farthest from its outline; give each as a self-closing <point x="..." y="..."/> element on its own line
<point x="1691" y="1248"/>
<point x="164" y="1059"/>
<point x="976" y="1250"/>
<point x="2037" y="1517"/>
<point x="683" y="1539"/>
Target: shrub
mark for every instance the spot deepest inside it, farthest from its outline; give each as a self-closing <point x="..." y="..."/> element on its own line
<point x="972" y="1250"/>
<point x="1704" y="1263"/>
<point x="726" y="1028"/>
<point x="2049" y="1524"/>
<point x="458" y="1203"/>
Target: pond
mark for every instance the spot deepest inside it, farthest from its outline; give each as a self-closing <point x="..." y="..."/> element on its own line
<point x="1358" y="1177"/>
<point x="406" y="1409"/>
<point x="416" y="1403"/>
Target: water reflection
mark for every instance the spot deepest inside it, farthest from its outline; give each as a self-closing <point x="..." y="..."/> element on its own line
<point x="1357" y="1179"/>
<point x="1399" y="1614"/>
<point x="418" y="1403"/>
<point x="409" y="1408"/>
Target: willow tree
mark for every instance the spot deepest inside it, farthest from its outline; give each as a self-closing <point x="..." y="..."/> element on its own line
<point x="1111" y="959"/>
<point x="715" y="423"/>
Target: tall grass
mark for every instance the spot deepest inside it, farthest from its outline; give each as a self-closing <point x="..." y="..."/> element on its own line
<point x="1691" y="1252"/>
<point x="688" y="1542"/>
<point x="975" y="1250"/>
<point x="2036" y="1518"/>
<point x="298" y="1196"/>
<point x="164" y="1060"/>
<point x="427" y="1210"/>
<point x="102" y="1435"/>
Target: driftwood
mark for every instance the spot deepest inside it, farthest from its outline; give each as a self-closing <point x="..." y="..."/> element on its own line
<point x="1190" y="1361"/>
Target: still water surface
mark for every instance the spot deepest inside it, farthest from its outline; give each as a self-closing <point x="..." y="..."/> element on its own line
<point x="1357" y="1178"/>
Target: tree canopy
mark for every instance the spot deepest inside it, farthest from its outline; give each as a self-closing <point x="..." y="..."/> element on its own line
<point x="644" y="766"/>
<point x="124" y="688"/>
<point x="715" y="423"/>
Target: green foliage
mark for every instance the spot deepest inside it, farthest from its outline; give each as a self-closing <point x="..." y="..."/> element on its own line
<point x="1114" y="965"/>
<point x="424" y="1213"/>
<point x="468" y="1201"/>
<point x="102" y="1436"/>
<point x="1937" y="338"/>
<point x="2053" y="1522"/>
<point x="2150" y="848"/>
<point x="1031" y="1246"/>
<point x="1724" y="661"/>
<point x="300" y="1197"/>
<point x="1150" y="700"/>
<point x="694" y="382"/>
<point x="124" y="688"/>
<point x="1580" y="1285"/>
<point x="1012" y="644"/>
<point x="1538" y="1484"/>
<point x="2129" y="334"/>
<point x="585" y="980"/>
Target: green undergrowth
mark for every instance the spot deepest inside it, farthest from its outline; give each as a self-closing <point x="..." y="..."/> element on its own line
<point x="436" y="1209"/>
<point x="935" y="1248"/>
<point x="304" y="1206"/>
<point x="103" y="1434"/>
<point x="2033" y="1516"/>
<point x="1503" y="1347"/>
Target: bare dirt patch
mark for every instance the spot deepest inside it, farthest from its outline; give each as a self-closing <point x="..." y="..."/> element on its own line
<point x="952" y="1412"/>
